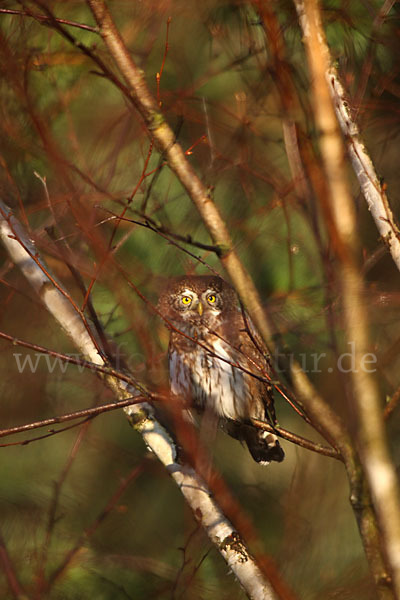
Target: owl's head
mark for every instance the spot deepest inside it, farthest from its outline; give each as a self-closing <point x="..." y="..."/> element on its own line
<point x="198" y="300"/>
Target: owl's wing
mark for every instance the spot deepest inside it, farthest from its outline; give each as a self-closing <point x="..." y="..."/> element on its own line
<point x="255" y="357"/>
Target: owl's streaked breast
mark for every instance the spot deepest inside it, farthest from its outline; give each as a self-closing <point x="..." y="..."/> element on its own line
<point x="209" y="381"/>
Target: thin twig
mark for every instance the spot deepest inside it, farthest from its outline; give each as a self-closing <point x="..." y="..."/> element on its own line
<point x="52" y="513"/>
<point x="46" y="19"/>
<point x="150" y="223"/>
<point x="371" y="435"/>
<point x="194" y="488"/>
<point x="297" y="439"/>
<point x="311" y="185"/>
<point x="136" y="471"/>
<point x="392" y="404"/>
<point x="65" y="250"/>
<point x="103" y="369"/>
<point x="46" y="435"/>
<point x="28" y="248"/>
<point x="13" y="583"/>
<point x="78" y="414"/>
<point x="104" y="70"/>
<point x="164" y="139"/>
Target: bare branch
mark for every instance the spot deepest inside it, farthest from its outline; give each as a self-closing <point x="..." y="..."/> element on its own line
<point x="78" y="414"/>
<point x="371" y="187"/>
<point x="51" y="293"/>
<point x="46" y="19"/>
<point x="14" y="585"/>
<point x="141" y="415"/>
<point x="57" y="573"/>
<point x="102" y="369"/>
<point x="170" y="237"/>
<point x="296" y="439"/>
<point x="165" y="140"/>
<point x="374" y="450"/>
<point x="323" y="417"/>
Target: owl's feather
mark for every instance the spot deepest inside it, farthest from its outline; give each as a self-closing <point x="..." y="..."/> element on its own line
<point x="211" y="358"/>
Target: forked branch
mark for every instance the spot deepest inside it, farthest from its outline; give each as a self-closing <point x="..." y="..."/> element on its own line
<point x="374" y="451"/>
<point x="323" y="417"/>
<point x="195" y="490"/>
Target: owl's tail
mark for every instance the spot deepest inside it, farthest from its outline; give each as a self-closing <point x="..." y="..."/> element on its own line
<point x="263" y="446"/>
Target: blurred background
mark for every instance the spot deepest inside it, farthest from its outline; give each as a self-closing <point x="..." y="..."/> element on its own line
<point x="74" y="153"/>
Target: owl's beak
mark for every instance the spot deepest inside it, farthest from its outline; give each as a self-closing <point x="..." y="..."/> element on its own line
<point x="200" y="308"/>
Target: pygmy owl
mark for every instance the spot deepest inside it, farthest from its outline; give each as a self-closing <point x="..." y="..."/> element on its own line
<point x="214" y="352"/>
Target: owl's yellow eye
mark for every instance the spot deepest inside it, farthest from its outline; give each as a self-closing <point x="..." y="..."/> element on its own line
<point x="186" y="300"/>
<point x="211" y="298"/>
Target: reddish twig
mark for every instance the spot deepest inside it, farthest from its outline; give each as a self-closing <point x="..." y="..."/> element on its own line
<point x="79" y="414"/>
<point x="136" y="471"/>
<point x="106" y="370"/>
<point x="40" y="578"/>
<point x="13" y="583"/>
<point x="8" y="219"/>
<point x="48" y="20"/>
<point x="298" y="439"/>
<point x="159" y="74"/>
